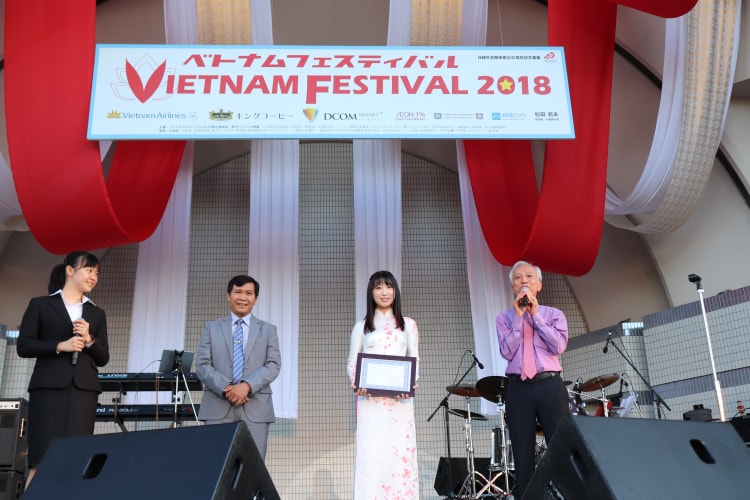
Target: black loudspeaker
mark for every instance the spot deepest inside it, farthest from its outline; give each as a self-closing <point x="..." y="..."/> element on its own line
<point x="742" y="426"/>
<point x="11" y="484"/>
<point x="450" y="475"/>
<point x="217" y="462"/>
<point x="14" y="414"/>
<point x="596" y="458"/>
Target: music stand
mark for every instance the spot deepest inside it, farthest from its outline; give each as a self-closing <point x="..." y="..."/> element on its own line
<point x="174" y="361"/>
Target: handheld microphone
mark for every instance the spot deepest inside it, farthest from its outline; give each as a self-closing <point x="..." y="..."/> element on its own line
<point x="606" y="345"/>
<point x="524" y="301"/>
<point x="74" y="359"/>
<point x="479" y="363"/>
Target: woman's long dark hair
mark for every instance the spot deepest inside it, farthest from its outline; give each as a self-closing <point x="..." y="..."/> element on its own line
<point x="378" y="278"/>
<point x="77" y="259"/>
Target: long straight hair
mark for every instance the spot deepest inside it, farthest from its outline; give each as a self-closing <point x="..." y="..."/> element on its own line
<point x="383" y="278"/>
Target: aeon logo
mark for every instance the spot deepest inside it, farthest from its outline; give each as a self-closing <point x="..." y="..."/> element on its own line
<point x="143" y="80"/>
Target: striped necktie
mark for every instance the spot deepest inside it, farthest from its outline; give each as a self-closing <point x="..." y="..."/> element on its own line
<point x="238" y="358"/>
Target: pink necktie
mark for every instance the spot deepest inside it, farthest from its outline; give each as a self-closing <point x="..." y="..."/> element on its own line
<point x="528" y="364"/>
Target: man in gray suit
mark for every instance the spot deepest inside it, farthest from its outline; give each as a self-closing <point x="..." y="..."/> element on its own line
<point x="238" y="358"/>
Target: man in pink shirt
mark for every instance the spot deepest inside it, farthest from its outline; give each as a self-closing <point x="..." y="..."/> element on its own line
<point x="531" y="337"/>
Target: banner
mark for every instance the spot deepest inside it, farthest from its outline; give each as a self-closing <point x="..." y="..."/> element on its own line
<point x="242" y="92"/>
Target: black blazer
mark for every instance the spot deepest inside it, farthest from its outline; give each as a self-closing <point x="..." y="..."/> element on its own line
<point x="46" y="323"/>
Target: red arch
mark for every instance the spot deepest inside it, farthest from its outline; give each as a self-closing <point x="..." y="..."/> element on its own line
<point x="559" y="227"/>
<point x="59" y="178"/>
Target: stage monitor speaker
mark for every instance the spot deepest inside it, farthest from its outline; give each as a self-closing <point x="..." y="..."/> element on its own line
<point x="742" y="426"/>
<point x="219" y="462"/>
<point x="14" y="414"/>
<point x="11" y="484"/>
<point x="450" y="475"/>
<point x="593" y="458"/>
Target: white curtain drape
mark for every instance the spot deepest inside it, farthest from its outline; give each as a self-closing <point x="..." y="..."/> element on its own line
<point x="650" y="188"/>
<point x="488" y="279"/>
<point x="488" y="285"/>
<point x="699" y="64"/>
<point x="377" y="212"/>
<point x="159" y="301"/>
<point x="273" y="257"/>
<point x="160" y="294"/>
<point x="377" y="190"/>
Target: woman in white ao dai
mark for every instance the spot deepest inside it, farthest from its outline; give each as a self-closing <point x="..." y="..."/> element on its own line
<point x="386" y="443"/>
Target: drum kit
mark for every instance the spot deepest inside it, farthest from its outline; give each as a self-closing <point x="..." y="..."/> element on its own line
<point x="501" y="478"/>
<point x="583" y="405"/>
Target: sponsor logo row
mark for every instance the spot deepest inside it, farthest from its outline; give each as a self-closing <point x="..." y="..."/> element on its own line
<point x="313" y="114"/>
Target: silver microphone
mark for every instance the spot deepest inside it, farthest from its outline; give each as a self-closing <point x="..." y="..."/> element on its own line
<point x="524" y="301"/>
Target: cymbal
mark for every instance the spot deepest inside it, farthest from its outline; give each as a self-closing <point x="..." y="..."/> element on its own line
<point x="567" y="382"/>
<point x="464" y="415"/>
<point x="492" y="388"/>
<point x="463" y="390"/>
<point x="599" y="382"/>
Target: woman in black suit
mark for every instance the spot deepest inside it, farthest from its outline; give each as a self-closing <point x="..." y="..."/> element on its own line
<point x="67" y="334"/>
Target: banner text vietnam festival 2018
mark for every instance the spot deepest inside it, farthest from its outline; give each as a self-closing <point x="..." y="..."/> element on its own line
<point x="190" y="92"/>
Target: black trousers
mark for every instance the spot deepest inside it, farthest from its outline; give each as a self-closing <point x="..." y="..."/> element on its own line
<point x="545" y="401"/>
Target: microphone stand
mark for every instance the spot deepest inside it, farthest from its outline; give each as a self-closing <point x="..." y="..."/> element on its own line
<point x="694" y="278"/>
<point x="635" y="402"/>
<point x="177" y="371"/>
<point x="179" y="376"/>
<point x="444" y="404"/>
<point x="658" y="401"/>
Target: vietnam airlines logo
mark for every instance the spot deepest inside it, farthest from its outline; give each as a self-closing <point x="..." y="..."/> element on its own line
<point x="142" y="80"/>
<point x="310" y="113"/>
<point x="114" y="114"/>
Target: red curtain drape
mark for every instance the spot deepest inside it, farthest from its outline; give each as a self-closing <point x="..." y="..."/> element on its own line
<point x="67" y="203"/>
<point x="559" y="226"/>
<point x="59" y="178"/>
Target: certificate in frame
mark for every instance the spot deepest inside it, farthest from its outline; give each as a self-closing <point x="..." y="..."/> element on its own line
<point x="384" y="375"/>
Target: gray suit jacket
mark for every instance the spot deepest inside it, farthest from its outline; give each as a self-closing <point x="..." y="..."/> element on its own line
<point x="214" y="368"/>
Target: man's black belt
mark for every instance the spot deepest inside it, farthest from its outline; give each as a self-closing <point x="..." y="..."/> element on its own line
<point x="537" y="378"/>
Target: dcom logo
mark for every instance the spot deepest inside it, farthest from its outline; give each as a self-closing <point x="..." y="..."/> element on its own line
<point x="310" y="113"/>
<point x="340" y="116"/>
